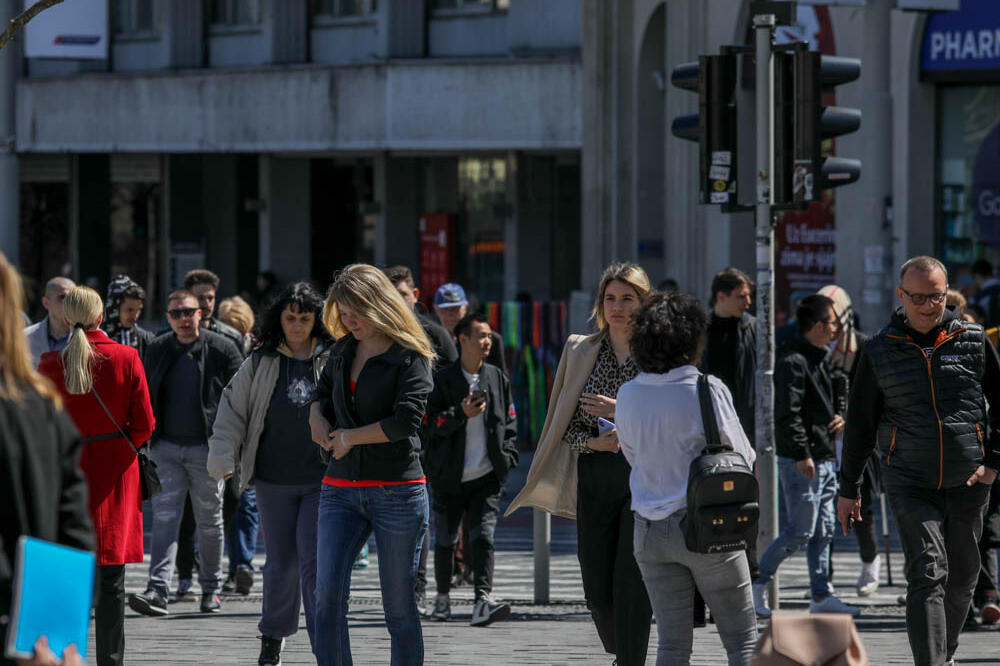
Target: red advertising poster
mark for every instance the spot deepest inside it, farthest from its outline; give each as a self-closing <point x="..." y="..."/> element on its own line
<point x="805" y="252"/>
<point x="437" y="253"/>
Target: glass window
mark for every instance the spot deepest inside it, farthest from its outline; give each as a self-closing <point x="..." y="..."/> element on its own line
<point x="483" y="213"/>
<point x="471" y="4"/>
<point x="235" y="12"/>
<point x="134" y="17"/>
<point x="134" y="224"/>
<point x="968" y="179"/>
<point x="342" y="8"/>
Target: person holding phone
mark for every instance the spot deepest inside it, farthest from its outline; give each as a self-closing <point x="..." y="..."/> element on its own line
<point x="578" y="472"/>
<point x="471" y="446"/>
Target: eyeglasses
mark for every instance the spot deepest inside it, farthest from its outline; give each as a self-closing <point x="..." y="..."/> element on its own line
<point x="181" y="313"/>
<point x="937" y="298"/>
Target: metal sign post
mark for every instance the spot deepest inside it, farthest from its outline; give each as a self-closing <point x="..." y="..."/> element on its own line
<point x="767" y="463"/>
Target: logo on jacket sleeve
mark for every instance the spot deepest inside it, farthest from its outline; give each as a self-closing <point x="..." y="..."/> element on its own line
<point x="440" y="421"/>
<point x="511" y="412"/>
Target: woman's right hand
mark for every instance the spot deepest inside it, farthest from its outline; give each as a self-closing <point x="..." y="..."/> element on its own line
<point x="320" y="428"/>
<point x="606" y="442"/>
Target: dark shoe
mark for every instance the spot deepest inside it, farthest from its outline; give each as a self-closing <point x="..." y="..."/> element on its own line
<point x="229" y="585"/>
<point x="244" y="579"/>
<point x="270" y="651"/>
<point x="210" y="603"/>
<point x="184" y="591"/>
<point x="487" y="611"/>
<point x="148" y="603"/>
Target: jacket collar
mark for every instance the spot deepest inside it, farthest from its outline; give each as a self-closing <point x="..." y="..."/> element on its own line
<point x="98" y="337"/>
<point x="678" y="375"/>
<point x="396" y="354"/>
<point x="802" y="346"/>
<point x="949" y="321"/>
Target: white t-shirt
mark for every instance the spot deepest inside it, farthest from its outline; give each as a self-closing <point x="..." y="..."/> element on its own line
<point x="477" y="461"/>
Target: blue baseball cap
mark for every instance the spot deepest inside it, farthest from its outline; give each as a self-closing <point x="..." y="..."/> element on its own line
<point x="450" y="295"/>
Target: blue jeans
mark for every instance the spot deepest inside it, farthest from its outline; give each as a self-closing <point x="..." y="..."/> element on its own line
<point x="241" y="533"/>
<point x="398" y="517"/>
<point x="810" y="520"/>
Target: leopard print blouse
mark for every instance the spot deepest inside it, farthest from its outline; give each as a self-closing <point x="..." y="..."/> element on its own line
<point x="605" y="379"/>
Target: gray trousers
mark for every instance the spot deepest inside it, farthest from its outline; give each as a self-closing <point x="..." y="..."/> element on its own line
<point x="672" y="573"/>
<point x="183" y="470"/>
<point x="288" y="515"/>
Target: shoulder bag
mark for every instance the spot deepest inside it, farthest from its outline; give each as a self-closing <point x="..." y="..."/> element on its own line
<point x="149" y="480"/>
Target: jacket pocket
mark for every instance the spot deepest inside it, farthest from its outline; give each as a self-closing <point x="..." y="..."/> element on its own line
<point x="892" y="446"/>
<point x="979" y="435"/>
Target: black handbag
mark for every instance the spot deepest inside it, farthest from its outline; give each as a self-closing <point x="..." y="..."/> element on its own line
<point x="722" y="492"/>
<point x="149" y="479"/>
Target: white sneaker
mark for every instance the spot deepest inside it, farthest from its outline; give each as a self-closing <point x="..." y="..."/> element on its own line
<point x="760" y="601"/>
<point x="869" y="577"/>
<point x="442" y="607"/>
<point x="832" y="604"/>
<point x="488" y="610"/>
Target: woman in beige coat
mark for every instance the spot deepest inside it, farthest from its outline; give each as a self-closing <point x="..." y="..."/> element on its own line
<point x="262" y="435"/>
<point x="579" y="472"/>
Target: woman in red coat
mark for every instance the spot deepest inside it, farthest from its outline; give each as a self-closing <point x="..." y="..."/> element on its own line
<point x="92" y="365"/>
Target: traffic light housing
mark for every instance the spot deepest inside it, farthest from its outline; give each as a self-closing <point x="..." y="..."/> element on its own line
<point x="802" y="123"/>
<point x="714" y="127"/>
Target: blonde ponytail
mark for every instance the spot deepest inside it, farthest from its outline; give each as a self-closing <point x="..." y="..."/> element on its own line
<point x="82" y="308"/>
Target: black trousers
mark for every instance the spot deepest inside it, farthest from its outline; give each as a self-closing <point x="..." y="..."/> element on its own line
<point x="479" y="501"/>
<point x="612" y="582"/>
<point x="109" y="615"/>
<point x="939" y="530"/>
<point x="986" y="586"/>
<point x="185" y="561"/>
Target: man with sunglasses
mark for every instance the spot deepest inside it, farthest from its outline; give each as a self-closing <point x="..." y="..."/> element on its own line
<point x="921" y="393"/>
<point x="187" y="369"/>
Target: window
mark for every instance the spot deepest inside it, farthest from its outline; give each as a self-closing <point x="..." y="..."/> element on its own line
<point x="341" y="8"/>
<point x="471" y="5"/>
<point x="235" y="12"/>
<point x="134" y="17"/>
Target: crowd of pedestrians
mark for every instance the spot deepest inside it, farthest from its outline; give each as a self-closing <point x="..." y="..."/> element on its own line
<point x="324" y="423"/>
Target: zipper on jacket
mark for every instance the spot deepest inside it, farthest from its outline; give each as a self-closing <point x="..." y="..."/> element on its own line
<point x="892" y="446"/>
<point x="937" y="415"/>
<point x="979" y="435"/>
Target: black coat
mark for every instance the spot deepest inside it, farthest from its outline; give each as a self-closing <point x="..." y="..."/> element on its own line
<point x="392" y="391"/>
<point x="446" y="425"/>
<point x="440" y="339"/>
<point x="218" y="361"/>
<point x="43" y="493"/>
<point x="737" y="368"/>
<point x="805" y="402"/>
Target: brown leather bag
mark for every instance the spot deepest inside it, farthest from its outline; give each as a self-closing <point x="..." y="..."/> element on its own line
<point x="810" y="640"/>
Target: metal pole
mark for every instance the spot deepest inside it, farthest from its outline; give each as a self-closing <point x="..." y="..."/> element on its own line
<point x="542" y="543"/>
<point x="767" y="464"/>
<point x="9" y="175"/>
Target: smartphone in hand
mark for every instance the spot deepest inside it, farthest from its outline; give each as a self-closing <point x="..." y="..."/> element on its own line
<point x="477" y="395"/>
<point x="604" y="425"/>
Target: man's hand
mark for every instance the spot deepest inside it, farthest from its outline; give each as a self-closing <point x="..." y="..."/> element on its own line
<point x="598" y="405"/>
<point x="984" y="475"/>
<point x="848" y="510"/>
<point x="338" y="444"/>
<point x="45" y="657"/>
<point x="806" y="468"/>
<point x="836" y="426"/>
<point x="320" y="429"/>
<point x="606" y="442"/>
<point x="473" y="407"/>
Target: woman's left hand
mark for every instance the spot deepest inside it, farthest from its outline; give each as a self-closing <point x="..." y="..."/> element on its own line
<point x="339" y="445"/>
<point x="598" y="405"/>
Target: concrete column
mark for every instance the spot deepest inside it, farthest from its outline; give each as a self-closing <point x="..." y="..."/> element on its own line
<point x="288" y="218"/>
<point x="220" y="206"/>
<point x="381" y="191"/>
<point x="264" y="222"/>
<point x="10" y="198"/>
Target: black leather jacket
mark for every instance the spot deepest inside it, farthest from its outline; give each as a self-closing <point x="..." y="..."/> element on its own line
<point x="806" y="398"/>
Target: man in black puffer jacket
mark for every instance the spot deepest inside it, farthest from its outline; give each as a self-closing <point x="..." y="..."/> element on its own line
<point x="921" y="391"/>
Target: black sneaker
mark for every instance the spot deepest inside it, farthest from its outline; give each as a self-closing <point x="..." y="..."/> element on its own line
<point x="148" y="603"/>
<point x="229" y="585"/>
<point x="270" y="651"/>
<point x="244" y="579"/>
<point x="210" y="603"/>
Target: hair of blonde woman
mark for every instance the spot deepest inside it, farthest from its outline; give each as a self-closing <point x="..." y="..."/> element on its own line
<point x="82" y="308"/>
<point x="622" y="271"/>
<point x="956" y="300"/>
<point x="237" y="313"/>
<point x="367" y="292"/>
<point x="16" y="371"/>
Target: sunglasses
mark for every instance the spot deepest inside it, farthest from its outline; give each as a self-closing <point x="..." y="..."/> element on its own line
<point x="937" y="298"/>
<point x="181" y="313"/>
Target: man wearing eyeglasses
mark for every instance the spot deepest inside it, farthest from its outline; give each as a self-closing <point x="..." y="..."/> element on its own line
<point x="921" y="392"/>
<point x="187" y="369"/>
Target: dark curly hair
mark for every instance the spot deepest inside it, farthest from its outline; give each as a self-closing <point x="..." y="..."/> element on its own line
<point x="304" y="297"/>
<point x="669" y="331"/>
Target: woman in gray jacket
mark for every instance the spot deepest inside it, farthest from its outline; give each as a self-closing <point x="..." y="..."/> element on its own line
<point x="262" y="436"/>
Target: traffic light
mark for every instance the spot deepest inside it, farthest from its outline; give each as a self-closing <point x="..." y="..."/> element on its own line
<point x="802" y="123"/>
<point x="714" y="126"/>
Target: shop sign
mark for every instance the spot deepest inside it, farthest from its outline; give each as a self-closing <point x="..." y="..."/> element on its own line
<point x="437" y="253"/>
<point x="964" y="40"/>
<point x="986" y="189"/>
<point x="73" y="30"/>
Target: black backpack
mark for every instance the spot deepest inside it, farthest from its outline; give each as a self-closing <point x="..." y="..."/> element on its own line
<point x="722" y="492"/>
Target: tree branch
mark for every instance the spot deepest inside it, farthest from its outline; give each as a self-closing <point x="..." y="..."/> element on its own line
<point x="22" y="19"/>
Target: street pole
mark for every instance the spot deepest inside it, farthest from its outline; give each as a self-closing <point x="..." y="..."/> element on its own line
<point x="543" y="545"/>
<point x="9" y="176"/>
<point x="767" y="464"/>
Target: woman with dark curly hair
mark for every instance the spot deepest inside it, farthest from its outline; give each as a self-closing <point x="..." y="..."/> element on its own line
<point x="262" y="436"/>
<point x="579" y="472"/>
<point x="660" y="431"/>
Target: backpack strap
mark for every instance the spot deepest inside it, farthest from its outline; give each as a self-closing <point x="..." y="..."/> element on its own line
<point x="713" y="441"/>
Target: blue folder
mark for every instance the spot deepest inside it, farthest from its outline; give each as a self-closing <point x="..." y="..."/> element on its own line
<point x="52" y="595"/>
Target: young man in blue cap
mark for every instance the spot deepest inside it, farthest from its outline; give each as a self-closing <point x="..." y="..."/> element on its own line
<point x="450" y="305"/>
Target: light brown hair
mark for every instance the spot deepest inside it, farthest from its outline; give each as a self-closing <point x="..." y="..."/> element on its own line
<point x="622" y="271"/>
<point x="237" y="313"/>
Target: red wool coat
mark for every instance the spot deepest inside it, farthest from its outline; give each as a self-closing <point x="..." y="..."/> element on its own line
<point x="110" y="465"/>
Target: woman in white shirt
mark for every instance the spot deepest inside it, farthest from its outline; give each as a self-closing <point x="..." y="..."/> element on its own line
<point x="661" y="432"/>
